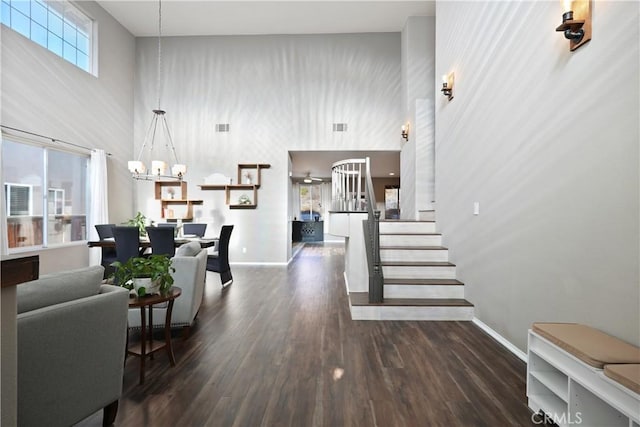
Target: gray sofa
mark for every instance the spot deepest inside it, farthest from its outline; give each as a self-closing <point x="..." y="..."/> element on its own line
<point x="71" y="342"/>
<point x="190" y="263"/>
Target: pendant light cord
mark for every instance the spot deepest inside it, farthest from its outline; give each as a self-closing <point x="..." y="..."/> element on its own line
<point x="159" y="51"/>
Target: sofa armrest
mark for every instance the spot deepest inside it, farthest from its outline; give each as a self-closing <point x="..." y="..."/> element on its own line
<point x="70" y="358"/>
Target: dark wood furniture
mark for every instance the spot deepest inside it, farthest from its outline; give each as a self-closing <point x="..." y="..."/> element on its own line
<point x="19" y="270"/>
<point x="307" y="231"/>
<point x="204" y="243"/>
<point x="145" y="304"/>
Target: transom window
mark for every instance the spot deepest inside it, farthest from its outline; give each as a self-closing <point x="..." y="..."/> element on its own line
<point x="56" y="25"/>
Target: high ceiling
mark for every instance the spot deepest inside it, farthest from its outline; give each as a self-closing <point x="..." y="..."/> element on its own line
<point x="213" y="17"/>
<point x="239" y="17"/>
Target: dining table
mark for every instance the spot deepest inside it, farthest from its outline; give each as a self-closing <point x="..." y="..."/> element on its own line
<point x="205" y="242"/>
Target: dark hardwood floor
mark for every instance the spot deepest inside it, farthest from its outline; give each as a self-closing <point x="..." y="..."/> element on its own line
<point x="278" y="348"/>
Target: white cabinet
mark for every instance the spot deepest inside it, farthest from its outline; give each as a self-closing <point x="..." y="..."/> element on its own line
<point x="571" y="392"/>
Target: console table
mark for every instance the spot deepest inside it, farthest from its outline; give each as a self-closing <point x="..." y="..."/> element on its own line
<point x="307" y="231"/>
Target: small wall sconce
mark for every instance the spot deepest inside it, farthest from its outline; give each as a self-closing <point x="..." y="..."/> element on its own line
<point x="447" y="85"/>
<point x="405" y="132"/>
<point x="576" y="22"/>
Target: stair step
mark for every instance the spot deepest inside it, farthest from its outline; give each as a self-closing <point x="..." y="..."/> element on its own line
<point x="413" y="248"/>
<point x="422" y="282"/>
<point x="414" y="253"/>
<point x="427" y="215"/>
<point x="402" y="226"/>
<point x="410" y="239"/>
<point x="410" y="308"/>
<point x="362" y="298"/>
<point x="418" y="263"/>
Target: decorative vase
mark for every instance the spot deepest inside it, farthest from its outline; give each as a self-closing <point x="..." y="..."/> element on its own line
<point x="149" y="286"/>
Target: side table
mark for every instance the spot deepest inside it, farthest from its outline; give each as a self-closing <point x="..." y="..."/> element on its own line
<point x="146" y="304"/>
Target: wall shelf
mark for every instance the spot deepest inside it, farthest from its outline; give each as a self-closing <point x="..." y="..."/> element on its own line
<point x="251" y="183"/>
<point x="178" y="190"/>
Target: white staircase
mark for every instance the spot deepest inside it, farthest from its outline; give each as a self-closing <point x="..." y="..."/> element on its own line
<point x="419" y="281"/>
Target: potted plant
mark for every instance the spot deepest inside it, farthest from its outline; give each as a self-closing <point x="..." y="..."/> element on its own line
<point x="139" y="221"/>
<point x="147" y="275"/>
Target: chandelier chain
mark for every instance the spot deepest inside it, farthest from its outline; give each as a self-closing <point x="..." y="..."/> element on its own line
<point x="159" y="51"/>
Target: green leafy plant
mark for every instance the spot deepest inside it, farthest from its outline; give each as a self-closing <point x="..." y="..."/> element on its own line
<point x="156" y="267"/>
<point x="139" y="221"/>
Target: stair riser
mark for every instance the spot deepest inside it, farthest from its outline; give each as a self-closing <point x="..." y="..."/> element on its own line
<point x="423" y="291"/>
<point x="411" y="313"/>
<point x="410" y="240"/>
<point x="414" y="255"/>
<point x="419" y="272"/>
<point x="407" y="227"/>
<point x="427" y="216"/>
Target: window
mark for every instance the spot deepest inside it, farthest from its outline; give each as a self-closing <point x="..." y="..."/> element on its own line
<point x="18" y="199"/>
<point x="310" y="202"/>
<point x="45" y="195"/>
<point x="56" y="25"/>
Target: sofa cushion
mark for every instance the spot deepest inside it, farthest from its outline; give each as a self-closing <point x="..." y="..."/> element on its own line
<point x="189" y="249"/>
<point x="590" y="345"/>
<point x="627" y="375"/>
<point x="60" y="287"/>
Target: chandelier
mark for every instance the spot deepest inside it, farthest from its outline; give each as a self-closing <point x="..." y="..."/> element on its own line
<point x="158" y="129"/>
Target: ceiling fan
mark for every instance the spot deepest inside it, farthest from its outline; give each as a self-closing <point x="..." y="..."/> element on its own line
<point x="310" y="179"/>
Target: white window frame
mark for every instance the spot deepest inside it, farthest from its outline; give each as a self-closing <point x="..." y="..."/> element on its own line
<point x="8" y="186"/>
<point x="4" y="213"/>
<point x="75" y="18"/>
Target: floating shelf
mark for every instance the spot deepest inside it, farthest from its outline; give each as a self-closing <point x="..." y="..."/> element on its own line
<point x="253" y="186"/>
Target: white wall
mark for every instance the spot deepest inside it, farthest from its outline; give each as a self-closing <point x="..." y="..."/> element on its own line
<point x="418" y="154"/>
<point x="278" y="93"/>
<point x="45" y="94"/>
<point x="547" y="141"/>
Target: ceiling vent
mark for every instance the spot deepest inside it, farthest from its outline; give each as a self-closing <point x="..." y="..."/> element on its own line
<point x="339" y="127"/>
<point x="222" y="127"/>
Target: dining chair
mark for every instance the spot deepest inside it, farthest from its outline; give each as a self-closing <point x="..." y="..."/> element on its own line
<point x="105" y="231"/>
<point x="219" y="263"/>
<point x="162" y="240"/>
<point x="127" y="242"/>
<point x="197" y="229"/>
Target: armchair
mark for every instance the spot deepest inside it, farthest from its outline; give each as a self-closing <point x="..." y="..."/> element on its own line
<point x="71" y="342"/>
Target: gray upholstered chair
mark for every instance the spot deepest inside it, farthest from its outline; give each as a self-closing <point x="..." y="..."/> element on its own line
<point x="71" y="341"/>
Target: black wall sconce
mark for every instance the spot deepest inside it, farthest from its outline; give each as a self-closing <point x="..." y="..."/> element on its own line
<point x="447" y="85"/>
<point x="576" y="22"/>
<point x="405" y="132"/>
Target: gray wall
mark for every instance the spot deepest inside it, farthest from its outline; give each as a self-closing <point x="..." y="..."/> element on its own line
<point x="278" y="93"/>
<point x="45" y="94"/>
<point x="418" y="154"/>
<point x="542" y="138"/>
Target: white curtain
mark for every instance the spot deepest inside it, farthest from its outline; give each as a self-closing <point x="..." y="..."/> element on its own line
<point x="99" y="201"/>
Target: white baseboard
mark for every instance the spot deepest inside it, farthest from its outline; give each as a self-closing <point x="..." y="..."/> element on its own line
<point x="268" y="264"/>
<point x="502" y="340"/>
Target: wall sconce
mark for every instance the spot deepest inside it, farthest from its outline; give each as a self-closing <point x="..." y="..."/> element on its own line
<point x="576" y="22"/>
<point x="405" y="132"/>
<point x="447" y="85"/>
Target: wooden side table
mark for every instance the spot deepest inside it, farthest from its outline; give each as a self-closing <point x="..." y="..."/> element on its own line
<point x="145" y="303"/>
